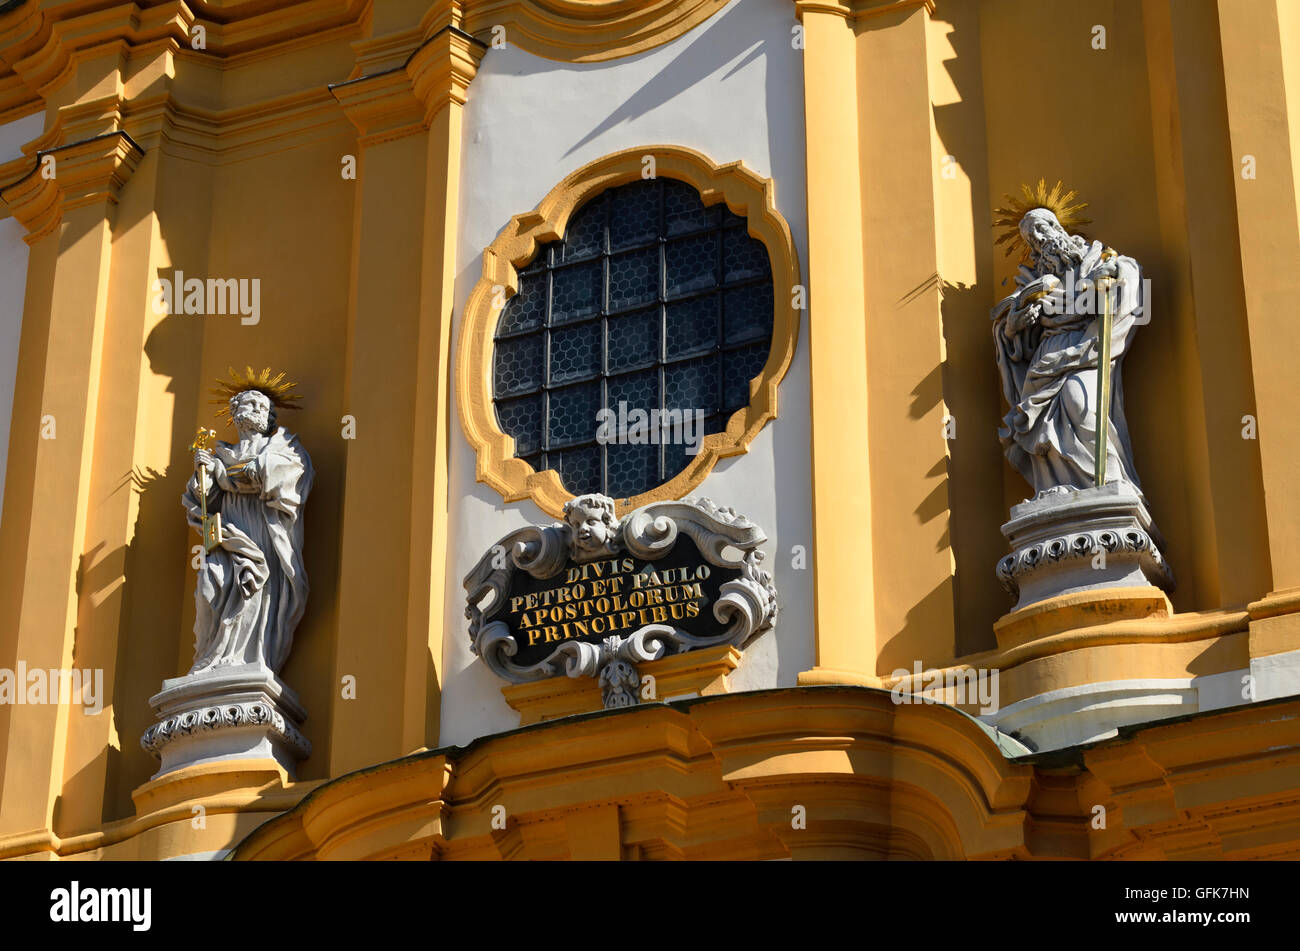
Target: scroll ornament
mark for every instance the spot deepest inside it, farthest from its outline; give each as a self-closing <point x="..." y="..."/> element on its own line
<point x="745" y="606"/>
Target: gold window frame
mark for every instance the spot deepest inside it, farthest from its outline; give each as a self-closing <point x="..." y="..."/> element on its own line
<point x="745" y="193"/>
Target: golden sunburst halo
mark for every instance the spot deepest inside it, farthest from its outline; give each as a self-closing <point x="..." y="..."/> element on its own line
<point x="274" y="388"/>
<point x="1006" y="220"/>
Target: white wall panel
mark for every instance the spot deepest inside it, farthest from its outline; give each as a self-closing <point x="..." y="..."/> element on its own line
<point x="732" y="89"/>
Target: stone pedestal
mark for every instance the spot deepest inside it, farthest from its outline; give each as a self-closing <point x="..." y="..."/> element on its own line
<point x="230" y="713"/>
<point x="1079" y="540"/>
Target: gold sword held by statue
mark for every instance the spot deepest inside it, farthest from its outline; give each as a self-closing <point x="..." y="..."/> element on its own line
<point x="211" y="524"/>
<point x="1105" y="323"/>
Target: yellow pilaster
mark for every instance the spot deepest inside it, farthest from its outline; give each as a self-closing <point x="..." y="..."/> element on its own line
<point x="905" y="343"/>
<point x="878" y="455"/>
<point x="1258" y="128"/>
<point x="1225" y="539"/>
<point x="393" y="558"/>
<point x="841" y="468"/>
<point x="69" y="217"/>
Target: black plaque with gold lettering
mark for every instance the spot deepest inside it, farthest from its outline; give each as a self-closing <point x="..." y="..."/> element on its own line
<point x="595" y="595"/>
<point x="617" y="595"/>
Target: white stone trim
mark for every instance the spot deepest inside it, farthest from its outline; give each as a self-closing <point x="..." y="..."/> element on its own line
<point x="1071" y="716"/>
<point x="1277" y="675"/>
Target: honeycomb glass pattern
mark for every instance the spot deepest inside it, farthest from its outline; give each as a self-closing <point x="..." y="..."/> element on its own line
<point x="652" y="303"/>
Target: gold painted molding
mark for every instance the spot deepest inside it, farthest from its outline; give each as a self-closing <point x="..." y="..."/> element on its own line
<point x="702" y="672"/>
<point x="588" y="31"/>
<point x="745" y="193"/>
<point x="715" y="778"/>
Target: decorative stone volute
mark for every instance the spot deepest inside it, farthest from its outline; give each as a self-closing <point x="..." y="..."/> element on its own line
<point x="596" y="596"/>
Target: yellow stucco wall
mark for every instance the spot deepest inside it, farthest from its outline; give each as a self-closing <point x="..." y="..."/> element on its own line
<point x="226" y="161"/>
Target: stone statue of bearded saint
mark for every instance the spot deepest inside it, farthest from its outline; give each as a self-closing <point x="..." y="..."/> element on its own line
<point x="1047" y="352"/>
<point x="252" y="587"/>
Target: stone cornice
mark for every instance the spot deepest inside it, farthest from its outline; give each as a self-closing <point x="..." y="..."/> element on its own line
<point x="88" y="171"/>
<point x="730" y="756"/>
<point x="579" y="31"/>
<point x="1210" y="785"/>
<point x="855" y="10"/>
<point x="404" y="100"/>
<point x="441" y="69"/>
<point x="40" y="41"/>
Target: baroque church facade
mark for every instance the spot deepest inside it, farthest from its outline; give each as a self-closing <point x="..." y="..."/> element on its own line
<point x="666" y="429"/>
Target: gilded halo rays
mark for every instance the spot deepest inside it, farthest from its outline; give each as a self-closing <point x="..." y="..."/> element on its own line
<point x="1061" y="203"/>
<point x="274" y="388"/>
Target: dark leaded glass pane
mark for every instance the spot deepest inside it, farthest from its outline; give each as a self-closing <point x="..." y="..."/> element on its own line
<point x="585" y="236"/>
<point x="747" y="313"/>
<point x="518" y="366"/>
<point x="632" y="291"/>
<point x="729" y="219"/>
<point x="526" y="309"/>
<point x="676" y="457"/>
<point x="692" y="385"/>
<point x="738" y="368"/>
<point x="743" y="256"/>
<point x="576" y="292"/>
<point x="634" y="340"/>
<point x="691" y="264"/>
<point x="684" y="211"/>
<point x="691" y="326"/>
<point x="573" y="414"/>
<point x="522" y="419"/>
<point x="634" y="278"/>
<point x="579" y="469"/>
<point x="575" y="352"/>
<point x="636" y="390"/>
<point x="632" y="469"/>
<point x="634" y="215"/>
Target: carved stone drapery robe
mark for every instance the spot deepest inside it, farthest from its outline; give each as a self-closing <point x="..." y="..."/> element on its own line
<point x="252" y="588"/>
<point x="1049" y="378"/>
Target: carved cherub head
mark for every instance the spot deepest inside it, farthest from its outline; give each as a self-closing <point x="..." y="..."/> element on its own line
<point x="592" y="525"/>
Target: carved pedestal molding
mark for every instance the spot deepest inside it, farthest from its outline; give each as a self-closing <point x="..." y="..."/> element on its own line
<point x="238" y="712"/>
<point x="745" y="605"/>
<point x="1080" y="539"/>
